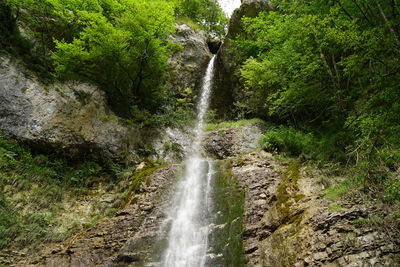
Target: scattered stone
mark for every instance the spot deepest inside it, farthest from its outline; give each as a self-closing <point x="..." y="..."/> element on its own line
<point x="263" y="196"/>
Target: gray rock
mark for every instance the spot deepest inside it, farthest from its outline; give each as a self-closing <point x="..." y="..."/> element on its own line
<point x="188" y="65"/>
<point x="73" y="118"/>
<point x="70" y="117"/>
<point x="228" y="142"/>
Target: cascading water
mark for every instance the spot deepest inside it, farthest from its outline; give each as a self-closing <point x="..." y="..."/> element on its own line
<point x="188" y="235"/>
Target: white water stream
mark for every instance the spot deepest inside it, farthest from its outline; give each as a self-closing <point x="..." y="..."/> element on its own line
<point x="188" y="218"/>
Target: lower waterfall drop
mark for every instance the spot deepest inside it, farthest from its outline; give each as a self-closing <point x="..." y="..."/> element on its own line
<point x="188" y="218"/>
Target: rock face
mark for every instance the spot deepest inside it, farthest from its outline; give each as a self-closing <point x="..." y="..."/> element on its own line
<point x="68" y="118"/>
<point x="227" y="86"/>
<point x="73" y="118"/>
<point x="123" y="240"/>
<point x="188" y="65"/>
<point x="288" y="222"/>
<point x="228" y="142"/>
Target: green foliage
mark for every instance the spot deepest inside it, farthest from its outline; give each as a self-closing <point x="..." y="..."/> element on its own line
<point x="32" y="186"/>
<point x="126" y="54"/>
<point x="289" y="140"/>
<point x="122" y="46"/>
<point x="328" y="68"/>
<point x="205" y="13"/>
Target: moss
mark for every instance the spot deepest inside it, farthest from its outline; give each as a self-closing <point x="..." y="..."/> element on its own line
<point x="137" y="178"/>
<point x="287" y="190"/>
<point x="281" y="243"/>
<point x="299" y="197"/>
<point x="229" y="205"/>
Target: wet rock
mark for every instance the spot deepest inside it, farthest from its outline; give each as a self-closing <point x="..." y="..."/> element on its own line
<point x="172" y="144"/>
<point x="251" y="249"/>
<point x="303" y="233"/>
<point x="128" y="257"/>
<point x="214" y="46"/>
<point x="146" y="206"/>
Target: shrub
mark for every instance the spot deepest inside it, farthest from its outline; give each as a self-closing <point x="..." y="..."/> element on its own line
<point x="288" y="140"/>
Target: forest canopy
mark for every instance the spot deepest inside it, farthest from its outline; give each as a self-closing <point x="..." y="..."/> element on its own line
<point x="331" y="69"/>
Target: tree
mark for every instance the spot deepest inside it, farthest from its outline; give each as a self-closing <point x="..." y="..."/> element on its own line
<point x="330" y="67"/>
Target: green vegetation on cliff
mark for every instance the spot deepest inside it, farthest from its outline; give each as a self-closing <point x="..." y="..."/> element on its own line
<point x="329" y="72"/>
<point x="32" y="189"/>
<point x="121" y="45"/>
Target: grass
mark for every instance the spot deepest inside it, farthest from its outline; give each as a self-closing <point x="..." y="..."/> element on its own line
<point x="336" y="192"/>
<point x="32" y="187"/>
<point x="233" y="124"/>
<point x="335" y="207"/>
<point x="371" y="220"/>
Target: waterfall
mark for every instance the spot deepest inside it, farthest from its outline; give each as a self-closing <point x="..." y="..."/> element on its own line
<point x="188" y="218"/>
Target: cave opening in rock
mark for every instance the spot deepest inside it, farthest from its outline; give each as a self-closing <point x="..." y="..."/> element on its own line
<point x="214" y="45"/>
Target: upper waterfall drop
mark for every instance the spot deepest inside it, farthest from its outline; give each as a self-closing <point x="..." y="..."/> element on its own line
<point x="202" y="106"/>
<point x="189" y="215"/>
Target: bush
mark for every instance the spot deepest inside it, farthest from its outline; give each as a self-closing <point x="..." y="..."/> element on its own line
<point x="288" y="140"/>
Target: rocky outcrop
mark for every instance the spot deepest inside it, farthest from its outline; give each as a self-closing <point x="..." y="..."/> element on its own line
<point x="287" y="222"/>
<point x="73" y="118"/>
<point x="228" y="142"/>
<point x="227" y="86"/>
<point x="187" y="66"/>
<point x="70" y="118"/>
<point x="125" y="239"/>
